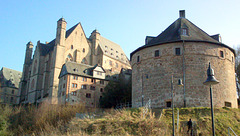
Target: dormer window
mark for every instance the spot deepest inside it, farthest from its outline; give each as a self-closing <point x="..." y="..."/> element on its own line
<point x="184" y="32"/>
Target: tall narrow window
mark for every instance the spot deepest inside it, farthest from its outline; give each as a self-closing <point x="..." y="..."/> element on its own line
<point x="138" y="58"/>
<point x="221" y="54"/>
<point x="156" y="53"/>
<point x="83" y="50"/>
<point x="177" y="51"/>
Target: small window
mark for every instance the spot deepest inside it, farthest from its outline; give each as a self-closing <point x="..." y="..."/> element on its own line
<point x="106" y="47"/>
<point x="63" y="93"/>
<point x="93" y="80"/>
<point x="102" y="82"/>
<point x="84" y="86"/>
<point x="71" y="46"/>
<point x="76" y="78"/>
<point x="106" y="51"/>
<point x="11" y="100"/>
<point x="92" y="88"/>
<point x="72" y="85"/>
<point x="177" y="51"/>
<point x="110" y="62"/>
<point x="83" y="50"/>
<point x="232" y="59"/>
<point x="138" y="58"/>
<point x="12" y="91"/>
<point x="111" y="49"/>
<point x="75" y="85"/>
<point x="228" y="104"/>
<point x="221" y="54"/>
<point x="101" y="90"/>
<point x="88" y="95"/>
<point x="111" y="53"/>
<point x="156" y="53"/>
<point x="116" y="65"/>
<point x="184" y="31"/>
<point x="74" y="93"/>
<point x="63" y="85"/>
<point x="169" y="104"/>
<point x="64" y="78"/>
<point x="116" y="51"/>
<point x="73" y="77"/>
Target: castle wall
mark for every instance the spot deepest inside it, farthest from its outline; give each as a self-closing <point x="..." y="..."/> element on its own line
<point x="152" y="75"/>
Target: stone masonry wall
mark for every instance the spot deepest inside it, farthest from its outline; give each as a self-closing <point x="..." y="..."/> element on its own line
<point x="152" y="75"/>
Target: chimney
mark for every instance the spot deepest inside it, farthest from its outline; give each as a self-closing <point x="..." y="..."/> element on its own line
<point x="182" y="13"/>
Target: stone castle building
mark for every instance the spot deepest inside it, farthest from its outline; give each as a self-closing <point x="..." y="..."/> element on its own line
<point x="183" y="51"/>
<point x="81" y="83"/>
<point x="41" y="72"/>
<point x="9" y="85"/>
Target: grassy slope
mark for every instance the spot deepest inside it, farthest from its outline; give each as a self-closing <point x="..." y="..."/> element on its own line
<point x="132" y="122"/>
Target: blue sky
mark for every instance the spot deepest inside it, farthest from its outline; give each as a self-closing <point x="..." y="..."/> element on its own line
<point x="125" y="22"/>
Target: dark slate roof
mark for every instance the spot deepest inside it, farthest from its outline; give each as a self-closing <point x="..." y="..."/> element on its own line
<point x="172" y="34"/>
<point x="46" y="48"/>
<point x="77" y="69"/>
<point x="11" y="77"/>
<point x="69" y="31"/>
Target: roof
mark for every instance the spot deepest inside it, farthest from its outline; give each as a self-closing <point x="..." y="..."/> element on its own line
<point x="112" y="49"/>
<point x="11" y="77"/>
<point x="46" y="48"/>
<point x="77" y="69"/>
<point x="173" y="34"/>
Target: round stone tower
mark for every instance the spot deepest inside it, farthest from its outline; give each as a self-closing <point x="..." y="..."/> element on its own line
<point x="183" y="51"/>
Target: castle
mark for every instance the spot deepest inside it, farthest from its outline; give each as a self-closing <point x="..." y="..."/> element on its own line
<point x="183" y="51"/>
<point x="40" y="78"/>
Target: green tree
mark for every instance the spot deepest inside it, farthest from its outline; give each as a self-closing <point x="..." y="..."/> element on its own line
<point x="116" y="92"/>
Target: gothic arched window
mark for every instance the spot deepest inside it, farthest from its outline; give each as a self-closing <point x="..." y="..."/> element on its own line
<point x="69" y="57"/>
<point x="35" y="67"/>
<point x="32" y="84"/>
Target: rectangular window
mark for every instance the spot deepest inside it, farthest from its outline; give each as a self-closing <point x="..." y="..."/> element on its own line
<point x="221" y="54"/>
<point x="76" y="78"/>
<point x="88" y="95"/>
<point x="177" y="51"/>
<point x="75" y="85"/>
<point x="184" y="32"/>
<point x="92" y="88"/>
<point x="228" y="104"/>
<point x="74" y="93"/>
<point x="72" y="85"/>
<point x="169" y="104"/>
<point x="12" y="91"/>
<point x="93" y="80"/>
<point x="102" y="82"/>
<point x="84" y="86"/>
<point x="138" y="58"/>
<point x="156" y="53"/>
<point x="110" y="62"/>
<point x="73" y="77"/>
<point x="101" y="90"/>
<point x="11" y="100"/>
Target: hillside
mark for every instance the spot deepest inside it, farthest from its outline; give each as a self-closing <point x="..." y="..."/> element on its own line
<point x="132" y="122"/>
<point x="61" y="120"/>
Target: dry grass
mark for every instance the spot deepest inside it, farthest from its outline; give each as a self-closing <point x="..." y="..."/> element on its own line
<point x="58" y="120"/>
<point x="32" y="120"/>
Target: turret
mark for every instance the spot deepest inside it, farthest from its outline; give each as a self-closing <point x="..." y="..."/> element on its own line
<point x="95" y="35"/>
<point x="61" y="32"/>
<point x="28" y="55"/>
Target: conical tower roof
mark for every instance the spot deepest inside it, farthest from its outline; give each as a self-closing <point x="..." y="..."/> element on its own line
<point x="174" y="33"/>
